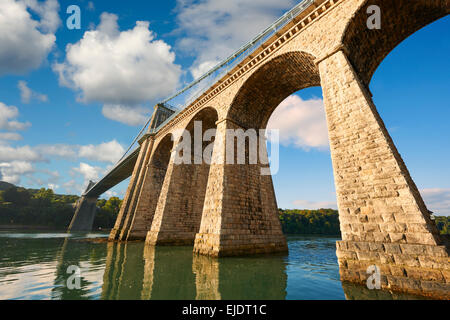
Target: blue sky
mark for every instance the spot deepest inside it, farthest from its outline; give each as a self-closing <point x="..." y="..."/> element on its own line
<point x="68" y="110"/>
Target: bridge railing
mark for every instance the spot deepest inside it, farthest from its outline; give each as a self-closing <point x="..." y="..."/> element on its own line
<point x="186" y="96"/>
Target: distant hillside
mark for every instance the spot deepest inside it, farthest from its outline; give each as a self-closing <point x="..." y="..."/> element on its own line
<point x="5" y="185"/>
<point x="34" y="208"/>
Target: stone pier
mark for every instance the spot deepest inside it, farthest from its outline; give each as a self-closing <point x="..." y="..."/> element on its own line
<point x="85" y="210"/>
<point x="228" y="209"/>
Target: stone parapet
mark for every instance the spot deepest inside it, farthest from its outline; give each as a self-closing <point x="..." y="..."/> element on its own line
<point x="239" y="245"/>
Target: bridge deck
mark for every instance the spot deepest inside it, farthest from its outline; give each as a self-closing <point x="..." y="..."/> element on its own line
<point x="119" y="173"/>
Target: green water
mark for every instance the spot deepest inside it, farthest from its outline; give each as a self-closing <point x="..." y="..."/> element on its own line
<point x="34" y="266"/>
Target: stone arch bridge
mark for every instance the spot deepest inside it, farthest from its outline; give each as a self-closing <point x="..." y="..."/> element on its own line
<point x="230" y="209"/>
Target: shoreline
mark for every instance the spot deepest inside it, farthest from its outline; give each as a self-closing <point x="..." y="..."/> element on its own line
<point x="7" y="227"/>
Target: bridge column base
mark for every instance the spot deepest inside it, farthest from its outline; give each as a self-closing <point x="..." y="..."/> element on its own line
<point x="83" y="218"/>
<point x="240" y="213"/>
<point x="137" y="235"/>
<point x="238" y="244"/>
<point x="169" y="238"/>
<point x="410" y="268"/>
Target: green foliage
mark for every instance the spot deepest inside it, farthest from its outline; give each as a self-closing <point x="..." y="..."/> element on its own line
<point x="42" y="207"/>
<point x="5" y="185"/>
<point x="443" y="224"/>
<point x="19" y="206"/>
<point x="107" y="213"/>
<point x="323" y="221"/>
<point x="19" y="196"/>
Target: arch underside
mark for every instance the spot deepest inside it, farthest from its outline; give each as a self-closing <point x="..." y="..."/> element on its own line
<point x="161" y="156"/>
<point x="270" y="85"/>
<point x="367" y="48"/>
<point x="154" y="175"/>
<point x="180" y="205"/>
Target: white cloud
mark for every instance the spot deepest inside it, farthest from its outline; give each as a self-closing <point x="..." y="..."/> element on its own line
<point x="311" y="205"/>
<point x="72" y="187"/>
<point x="302" y="123"/>
<point x="25" y="42"/>
<point x="106" y="152"/>
<point x="213" y="29"/>
<point x="10" y="136"/>
<point x="48" y="12"/>
<point x="202" y="68"/>
<point x="53" y="186"/>
<point x="14" y="159"/>
<point x="88" y="172"/>
<point x="25" y="153"/>
<point x="12" y="171"/>
<point x="26" y="94"/>
<point x="437" y="200"/>
<point x="7" y="116"/>
<point x="121" y="68"/>
<point x="132" y="116"/>
<point x="57" y="150"/>
<point x="110" y="194"/>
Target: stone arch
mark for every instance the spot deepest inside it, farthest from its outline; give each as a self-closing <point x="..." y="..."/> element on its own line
<point x="207" y="117"/>
<point x="161" y="156"/>
<point x="155" y="172"/>
<point x="270" y="84"/>
<point x="240" y="213"/>
<point x="180" y="205"/>
<point x="366" y="48"/>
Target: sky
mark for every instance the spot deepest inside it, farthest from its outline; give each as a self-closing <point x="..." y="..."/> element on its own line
<point x="71" y="101"/>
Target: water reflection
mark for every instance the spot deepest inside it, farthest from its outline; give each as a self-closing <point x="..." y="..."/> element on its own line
<point x="89" y="258"/>
<point x="124" y="272"/>
<point x="175" y="273"/>
<point x="34" y="266"/>
<point x="206" y="272"/>
<point x="357" y="292"/>
<point x="256" y="278"/>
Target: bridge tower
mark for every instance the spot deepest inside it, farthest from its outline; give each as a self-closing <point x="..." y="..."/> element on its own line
<point x="85" y="210"/>
<point x="136" y="214"/>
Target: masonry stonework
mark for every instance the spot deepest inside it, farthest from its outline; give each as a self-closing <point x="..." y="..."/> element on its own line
<point x="154" y="175"/>
<point x="230" y="209"/>
<point x="127" y="209"/>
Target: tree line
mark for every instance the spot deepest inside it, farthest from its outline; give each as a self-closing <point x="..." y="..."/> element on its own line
<point x="326" y="222"/>
<point x="322" y="221"/>
<point x="44" y="208"/>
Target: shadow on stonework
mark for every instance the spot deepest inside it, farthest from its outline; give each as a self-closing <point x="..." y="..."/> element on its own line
<point x="359" y="292"/>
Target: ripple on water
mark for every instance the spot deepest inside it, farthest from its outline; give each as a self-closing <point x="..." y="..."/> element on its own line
<point x="34" y="266"/>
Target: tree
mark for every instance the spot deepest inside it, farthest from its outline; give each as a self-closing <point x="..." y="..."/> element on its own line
<point x="19" y="197"/>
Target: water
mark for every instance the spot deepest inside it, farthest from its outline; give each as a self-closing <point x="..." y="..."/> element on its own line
<point x="34" y="266"/>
